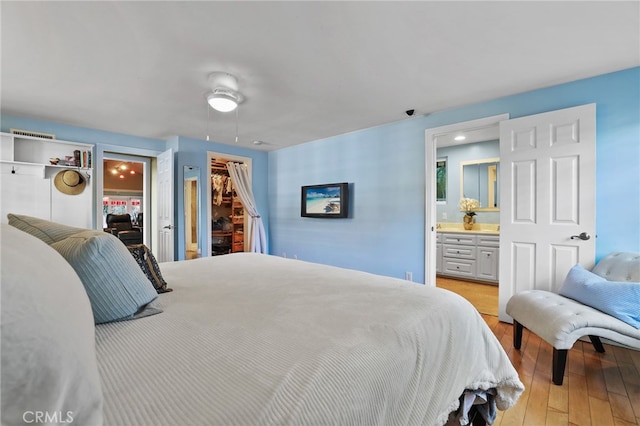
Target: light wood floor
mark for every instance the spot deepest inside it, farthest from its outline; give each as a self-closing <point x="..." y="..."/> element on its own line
<point x="483" y="296"/>
<point x="598" y="389"/>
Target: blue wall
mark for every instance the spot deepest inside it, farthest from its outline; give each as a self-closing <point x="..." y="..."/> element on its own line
<point x="187" y="152"/>
<point x="385" y="165"/>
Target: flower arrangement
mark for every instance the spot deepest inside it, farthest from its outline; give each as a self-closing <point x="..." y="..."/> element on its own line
<point x="468" y="205"/>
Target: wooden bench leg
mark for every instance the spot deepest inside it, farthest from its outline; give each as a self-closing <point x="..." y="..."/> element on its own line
<point x="517" y="334"/>
<point x="559" y="362"/>
<point x="597" y="344"/>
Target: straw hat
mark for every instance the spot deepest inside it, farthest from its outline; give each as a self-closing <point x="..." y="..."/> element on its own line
<point x="69" y="182"/>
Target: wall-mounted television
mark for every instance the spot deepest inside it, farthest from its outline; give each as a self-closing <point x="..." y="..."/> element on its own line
<point x="326" y="201"/>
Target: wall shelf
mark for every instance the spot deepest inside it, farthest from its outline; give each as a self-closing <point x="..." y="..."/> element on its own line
<point x="27" y="183"/>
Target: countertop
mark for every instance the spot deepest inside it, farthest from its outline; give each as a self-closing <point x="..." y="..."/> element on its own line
<point x="478" y="228"/>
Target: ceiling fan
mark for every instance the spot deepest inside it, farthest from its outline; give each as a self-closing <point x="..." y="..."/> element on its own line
<point x="224" y="95"/>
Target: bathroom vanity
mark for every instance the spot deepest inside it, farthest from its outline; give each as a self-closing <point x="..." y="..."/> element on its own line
<point x="471" y="255"/>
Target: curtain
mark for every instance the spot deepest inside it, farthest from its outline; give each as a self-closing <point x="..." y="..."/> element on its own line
<point x="241" y="182"/>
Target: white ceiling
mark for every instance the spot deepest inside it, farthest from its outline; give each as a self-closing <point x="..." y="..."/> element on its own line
<point x="308" y="70"/>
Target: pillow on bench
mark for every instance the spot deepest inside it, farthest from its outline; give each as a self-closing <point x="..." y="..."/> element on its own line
<point x="620" y="299"/>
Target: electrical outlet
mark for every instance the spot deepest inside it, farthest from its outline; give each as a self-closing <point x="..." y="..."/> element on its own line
<point x="444" y="215"/>
<point x="408" y="276"/>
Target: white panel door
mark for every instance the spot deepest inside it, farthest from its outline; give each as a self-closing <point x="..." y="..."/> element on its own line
<point x="164" y="207"/>
<point x="547" y="163"/>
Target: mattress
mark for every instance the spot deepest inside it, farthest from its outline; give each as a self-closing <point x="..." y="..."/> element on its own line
<point x="253" y="339"/>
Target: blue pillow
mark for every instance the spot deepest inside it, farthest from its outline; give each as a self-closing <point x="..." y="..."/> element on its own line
<point x="620" y="299"/>
<point x="116" y="286"/>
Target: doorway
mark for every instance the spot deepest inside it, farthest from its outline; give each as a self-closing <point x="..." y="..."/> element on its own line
<point x="191" y="212"/>
<point x="126" y="189"/>
<point x="227" y="220"/>
<point x="462" y="161"/>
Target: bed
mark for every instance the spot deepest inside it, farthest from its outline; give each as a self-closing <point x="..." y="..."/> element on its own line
<point x="251" y="339"/>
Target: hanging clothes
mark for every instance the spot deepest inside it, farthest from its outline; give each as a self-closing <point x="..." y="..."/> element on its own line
<point x="217" y="181"/>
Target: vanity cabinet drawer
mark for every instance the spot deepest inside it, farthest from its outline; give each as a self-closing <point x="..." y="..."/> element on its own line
<point x="460" y="252"/>
<point x="467" y="240"/>
<point x="471" y="256"/>
<point x="488" y="240"/>
<point x="460" y="267"/>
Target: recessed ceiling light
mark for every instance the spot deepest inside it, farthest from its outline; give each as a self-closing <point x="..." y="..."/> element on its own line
<point x="460" y="138"/>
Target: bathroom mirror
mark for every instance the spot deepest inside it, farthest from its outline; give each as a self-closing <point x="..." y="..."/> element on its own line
<point x="479" y="180"/>
<point x="191" y="212"/>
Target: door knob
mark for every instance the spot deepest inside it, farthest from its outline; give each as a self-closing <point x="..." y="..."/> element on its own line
<point x="169" y="227"/>
<point x="583" y="236"/>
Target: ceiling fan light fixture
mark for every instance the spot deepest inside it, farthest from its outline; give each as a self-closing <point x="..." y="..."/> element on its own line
<point x="224" y="96"/>
<point x="223" y="100"/>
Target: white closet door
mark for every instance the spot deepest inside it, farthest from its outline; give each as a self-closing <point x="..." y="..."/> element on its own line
<point x="164" y="208"/>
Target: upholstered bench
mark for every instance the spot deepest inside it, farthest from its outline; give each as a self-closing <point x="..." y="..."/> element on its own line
<point x="560" y="321"/>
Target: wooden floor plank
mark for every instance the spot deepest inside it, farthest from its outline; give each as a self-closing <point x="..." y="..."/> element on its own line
<point x="620" y="422"/>
<point x="600" y="412"/>
<point x="559" y="399"/>
<point x="579" y="413"/>
<point x="621" y="407"/>
<point x="536" y="413"/>
<point x="575" y="359"/>
<point x="612" y="376"/>
<point x="557" y="418"/>
<point x="634" y="397"/>
<point x="594" y="375"/>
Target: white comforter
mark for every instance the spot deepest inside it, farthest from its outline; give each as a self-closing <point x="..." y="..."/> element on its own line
<point x="249" y="339"/>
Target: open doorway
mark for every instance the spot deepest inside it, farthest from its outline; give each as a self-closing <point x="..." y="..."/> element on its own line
<point x="227" y="218"/>
<point x="125" y="189"/>
<point x="463" y="163"/>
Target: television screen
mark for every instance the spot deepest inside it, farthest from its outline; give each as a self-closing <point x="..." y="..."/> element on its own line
<point x="326" y="201"/>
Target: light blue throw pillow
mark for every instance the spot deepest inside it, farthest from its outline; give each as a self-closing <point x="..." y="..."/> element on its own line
<point x="620" y="299"/>
<point x="47" y="231"/>
<point x="116" y="286"/>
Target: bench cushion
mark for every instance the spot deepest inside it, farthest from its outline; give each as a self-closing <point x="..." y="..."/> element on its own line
<point x="620" y="299"/>
<point x="561" y="321"/>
